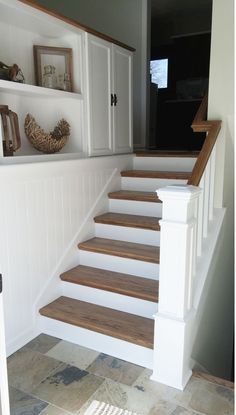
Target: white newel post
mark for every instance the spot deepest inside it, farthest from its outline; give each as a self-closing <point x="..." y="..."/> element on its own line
<point x="177" y="268"/>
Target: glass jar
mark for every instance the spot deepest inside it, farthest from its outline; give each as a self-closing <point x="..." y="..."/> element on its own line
<point x="49" y="77"/>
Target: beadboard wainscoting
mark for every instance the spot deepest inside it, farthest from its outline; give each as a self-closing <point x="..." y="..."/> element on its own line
<point x="45" y="212"/>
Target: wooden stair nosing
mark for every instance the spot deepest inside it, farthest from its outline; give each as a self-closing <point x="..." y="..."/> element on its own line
<point x="153" y="174"/>
<point x="124" y="284"/>
<point x="113" y="323"/>
<point x="135" y="195"/>
<point x="140" y="252"/>
<point x="130" y="221"/>
<point x="166" y="154"/>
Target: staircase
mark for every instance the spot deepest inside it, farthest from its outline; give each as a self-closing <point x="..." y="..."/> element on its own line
<point x="109" y="299"/>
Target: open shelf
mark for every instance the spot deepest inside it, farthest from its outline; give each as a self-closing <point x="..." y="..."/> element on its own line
<point x="26" y="89"/>
<point x="41" y="158"/>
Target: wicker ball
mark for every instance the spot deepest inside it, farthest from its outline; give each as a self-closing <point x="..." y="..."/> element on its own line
<point x="47" y="142"/>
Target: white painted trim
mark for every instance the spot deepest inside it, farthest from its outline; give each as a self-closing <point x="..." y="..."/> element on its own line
<point x="131" y="206"/>
<point x="21" y="340"/>
<point x="4" y="392"/>
<point x="109" y="299"/>
<point x="119" y="264"/>
<point x="122" y="233"/>
<point x="36" y="91"/>
<point x="121" y="349"/>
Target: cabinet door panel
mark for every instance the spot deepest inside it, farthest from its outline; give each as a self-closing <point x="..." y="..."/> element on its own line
<point x="99" y="96"/>
<point x="123" y="131"/>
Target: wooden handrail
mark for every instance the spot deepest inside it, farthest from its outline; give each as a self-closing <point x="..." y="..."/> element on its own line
<point x="212" y="128"/>
<point x="201" y="114"/>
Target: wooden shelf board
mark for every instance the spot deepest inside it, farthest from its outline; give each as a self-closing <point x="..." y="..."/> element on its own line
<point x="33" y="90"/>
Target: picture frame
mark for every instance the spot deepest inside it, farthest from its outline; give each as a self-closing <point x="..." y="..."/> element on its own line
<point x="53" y="67"/>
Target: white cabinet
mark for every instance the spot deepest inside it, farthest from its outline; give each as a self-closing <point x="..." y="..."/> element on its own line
<point x="99" y="110"/>
<point x="109" y="97"/>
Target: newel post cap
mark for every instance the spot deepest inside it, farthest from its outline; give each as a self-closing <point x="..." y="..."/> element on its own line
<point x="184" y="193"/>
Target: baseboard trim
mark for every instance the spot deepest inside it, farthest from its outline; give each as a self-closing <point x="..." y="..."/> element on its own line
<point x="20" y="341"/>
<point x="213" y="379"/>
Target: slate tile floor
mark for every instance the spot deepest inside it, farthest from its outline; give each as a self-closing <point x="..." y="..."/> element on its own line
<point x="53" y="377"/>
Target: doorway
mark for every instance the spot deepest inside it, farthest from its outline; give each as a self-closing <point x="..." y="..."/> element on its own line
<point x="179" y="71"/>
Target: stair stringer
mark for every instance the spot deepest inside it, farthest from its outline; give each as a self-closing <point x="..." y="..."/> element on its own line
<point x="53" y="287"/>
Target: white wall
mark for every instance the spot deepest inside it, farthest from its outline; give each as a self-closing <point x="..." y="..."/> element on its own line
<point x="126" y="21"/>
<point x="214" y="347"/>
<point x="45" y="211"/>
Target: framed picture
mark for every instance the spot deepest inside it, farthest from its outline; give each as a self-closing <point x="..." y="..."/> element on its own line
<point x="53" y="67"/>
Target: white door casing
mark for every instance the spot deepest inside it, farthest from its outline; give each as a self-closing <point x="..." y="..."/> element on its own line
<point x="4" y="392"/>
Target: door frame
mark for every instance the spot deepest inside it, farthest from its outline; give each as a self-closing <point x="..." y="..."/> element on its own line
<point x="4" y="389"/>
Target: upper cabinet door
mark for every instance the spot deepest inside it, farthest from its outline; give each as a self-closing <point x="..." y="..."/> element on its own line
<point x="99" y="83"/>
<point x="123" y="111"/>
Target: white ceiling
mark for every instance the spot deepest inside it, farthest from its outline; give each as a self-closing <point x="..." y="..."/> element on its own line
<point x="166" y="7"/>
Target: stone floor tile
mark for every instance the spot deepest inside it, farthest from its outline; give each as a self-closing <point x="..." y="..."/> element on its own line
<point x="22" y="403"/>
<point x="207" y="398"/>
<point x="182" y="411"/>
<point x="127" y="397"/>
<point x="161" y="391"/>
<point x="54" y="410"/>
<point x="115" y="369"/>
<point x="68" y="388"/>
<point x="73" y="354"/>
<point x="43" y="343"/>
<point x="27" y="368"/>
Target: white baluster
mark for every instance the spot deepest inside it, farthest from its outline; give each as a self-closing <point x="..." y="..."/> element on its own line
<point x="206" y="191"/>
<point x="212" y="183"/>
<point x="200" y="217"/>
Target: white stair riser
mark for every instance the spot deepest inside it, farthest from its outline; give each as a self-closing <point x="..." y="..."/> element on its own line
<point x="109" y="299"/>
<point x="164" y="163"/>
<point x="146" y="184"/>
<point x="122" y="233"/>
<point x="99" y="342"/>
<point x="134" y="207"/>
<point x="118" y="264"/>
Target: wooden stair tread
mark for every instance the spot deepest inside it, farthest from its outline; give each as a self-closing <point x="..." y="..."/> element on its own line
<point x="124" y="326"/>
<point x="130" y="221"/>
<point x="140" y="252"/>
<point x="160" y="153"/>
<point x="135" y="195"/>
<point x="130" y="285"/>
<point x="151" y="174"/>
